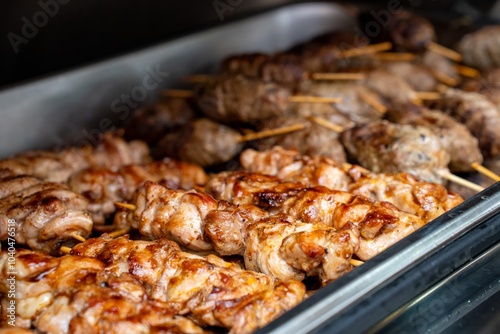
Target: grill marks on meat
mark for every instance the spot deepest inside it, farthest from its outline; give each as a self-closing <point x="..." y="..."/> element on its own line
<point x="289" y="165"/>
<point x="479" y="115"/>
<point x="46" y="214"/>
<point x="237" y="99"/>
<point x="455" y="138"/>
<point x="76" y="294"/>
<point x="382" y="146"/>
<point x="102" y="187"/>
<point x="207" y="289"/>
<point x="59" y="166"/>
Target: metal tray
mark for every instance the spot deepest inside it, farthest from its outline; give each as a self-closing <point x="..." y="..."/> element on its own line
<point x="75" y="106"/>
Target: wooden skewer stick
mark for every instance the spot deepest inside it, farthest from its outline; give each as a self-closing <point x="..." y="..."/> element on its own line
<point x="372" y="48"/>
<point x="78" y="237"/>
<point x="395" y="56"/>
<point x="327" y="124"/>
<point x="370" y="100"/>
<point x="445" y="78"/>
<point x="428" y="95"/>
<point x="463" y="182"/>
<point x="444" y="51"/>
<point x="467" y="71"/>
<point x="485" y="171"/>
<point x="120" y="232"/>
<point x="126" y="206"/>
<point x="337" y="76"/>
<point x="356" y="263"/>
<point x="313" y="99"/>
<point x="271" y="132"/>
<point x="65" y="249"/>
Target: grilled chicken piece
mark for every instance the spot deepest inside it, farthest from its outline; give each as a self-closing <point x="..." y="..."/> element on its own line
<point x="150" y="123"/>
<point x="455" y="138"/>
<point x="74" y="294"/>
<point x="290" y="166"/>
<point x="238" y="99"/>
<point x="380" y="223"/>
<point x="208" y="289"/>
<point x="205" y="222"/>
<point x="43" y="216"/>
<point x="480" y="48"/>
<point x="382" y="146"/>
<point x="202" y="142"/>
<point x="351" y="106"/>
<point x="480" y="115"/>
<point x="314" y="139"/>
<point x="423" y="199"/>
<point x="51" y="166"/>
<point x="102" y="187"/>
<point x="287" y="249"/>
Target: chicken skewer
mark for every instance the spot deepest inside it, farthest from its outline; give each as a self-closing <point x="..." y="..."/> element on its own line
<point x="59" y="166"/>
<point x="208" y="289"/>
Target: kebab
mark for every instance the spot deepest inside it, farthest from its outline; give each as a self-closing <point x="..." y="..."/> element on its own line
<point x="423" y="199"/>
<point x="102" y="186"/>
<point x="479" y="48"/>
<point x="208" y="289"/>
<point x="56" y="166"/>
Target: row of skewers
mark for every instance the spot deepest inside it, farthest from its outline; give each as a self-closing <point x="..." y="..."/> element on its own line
<point x="288" y="216"/>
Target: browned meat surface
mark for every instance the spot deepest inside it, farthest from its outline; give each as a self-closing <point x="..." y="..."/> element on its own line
<point x="150" y="123"/>
<point x="102" y="187"/>
<point x="284" y="69"/>
<point x="423" y="199"/>
<point x="352" y="105"/>
<point x="393" y="88"/>
<point x="418" y="76"/>
<point x="202" y="142"/>
<point x="480" y="115"/>
<point x="455" y="138"/>
<point x="207" y="289"/>
<point x="54" y="166"/>
<point x="386" y="147"/>
<point x="488" y="84"/>
<point x="289" y="165"/>
<point x="238" y="99"/>
<point x="314" y="139"/>
<point x="443" y="69"/>
<point x="74" y="294"/>
<point x="44" y="216"/>
<point x="480" y="48"/>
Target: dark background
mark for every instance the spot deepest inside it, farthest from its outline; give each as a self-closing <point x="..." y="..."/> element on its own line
<point x="86" y="31"/>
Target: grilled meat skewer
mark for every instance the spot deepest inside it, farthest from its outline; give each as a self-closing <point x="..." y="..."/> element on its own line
<point x="102" y="187"/>
<point x="480" y="48"/>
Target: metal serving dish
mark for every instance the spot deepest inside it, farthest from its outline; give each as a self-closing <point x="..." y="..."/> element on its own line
<point x="75" y="106"/>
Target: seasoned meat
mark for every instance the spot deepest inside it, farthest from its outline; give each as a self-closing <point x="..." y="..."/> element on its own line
<point x="208" y="289"/>
<point x="202" y="142"/>
<point x="284" y="69"/>
<point x="488" y="84"/>
<point x="455" y="138"/>
<point x="238" y="99"/>
<point x="352" y="105"/>
<point x="290" y="166"/>
<point x="443" y="69"/>
<point x="418" y="76"/>
<point x="54" y="166"/>
<point x="150" y="123"/>
<point x="394" y="89"/>
<point x="386" y="147"/>
<point x="481" y="117"/>
<point x="102" y="187"/>
<point x="480" y="48"/>
<point x="73" y="294"/>
<point x="44" y="216"/>
<point x="314" y="139"/>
